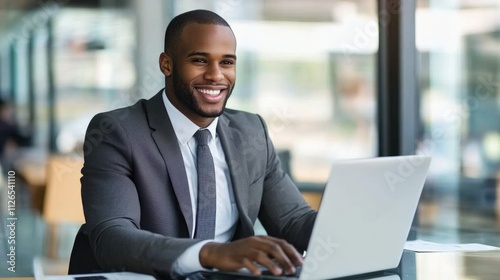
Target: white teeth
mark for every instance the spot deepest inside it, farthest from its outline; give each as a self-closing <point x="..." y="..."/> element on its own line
<point x="209" y="92"/>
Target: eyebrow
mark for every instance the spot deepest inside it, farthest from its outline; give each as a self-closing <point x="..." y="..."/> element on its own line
<point x="207" y="54"/>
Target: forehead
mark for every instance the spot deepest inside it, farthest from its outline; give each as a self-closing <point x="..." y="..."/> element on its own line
<point x="209" y="38"/>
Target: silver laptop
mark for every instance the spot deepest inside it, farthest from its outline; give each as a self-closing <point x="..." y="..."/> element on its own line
<point x="365" y="216"/>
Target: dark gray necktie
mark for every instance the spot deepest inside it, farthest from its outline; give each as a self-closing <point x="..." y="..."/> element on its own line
<point x="205" y="214"/>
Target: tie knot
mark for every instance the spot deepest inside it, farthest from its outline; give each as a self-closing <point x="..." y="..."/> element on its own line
<point x="202" y="136"/>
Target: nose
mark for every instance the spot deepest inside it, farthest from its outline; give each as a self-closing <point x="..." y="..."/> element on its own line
<point x="213" y="73"/>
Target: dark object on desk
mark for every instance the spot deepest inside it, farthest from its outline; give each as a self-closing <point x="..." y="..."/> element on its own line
<point x="91" y="278"/>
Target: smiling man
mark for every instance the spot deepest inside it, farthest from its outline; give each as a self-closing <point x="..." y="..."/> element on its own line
<point x="200" y="67"/>
<point x="174" y="184"/>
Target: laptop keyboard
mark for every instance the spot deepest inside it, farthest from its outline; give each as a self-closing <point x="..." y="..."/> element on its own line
<point x="268" y="275"/>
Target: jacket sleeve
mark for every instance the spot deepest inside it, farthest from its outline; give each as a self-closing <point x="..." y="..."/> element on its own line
<point x="284" y="213"/>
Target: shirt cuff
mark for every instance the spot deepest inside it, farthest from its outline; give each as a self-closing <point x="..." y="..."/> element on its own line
<point x="189" y="261"/>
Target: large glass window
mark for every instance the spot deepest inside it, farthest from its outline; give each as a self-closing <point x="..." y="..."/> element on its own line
<point x="20" y="81"/>
<point x="459" y="53"/>
<point x="308" y="67"/>
<point x="94" y="67"/>
<point x="40" y="131"/>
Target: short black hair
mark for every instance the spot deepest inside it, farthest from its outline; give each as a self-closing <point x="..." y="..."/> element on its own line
<point x="175" y="27"/>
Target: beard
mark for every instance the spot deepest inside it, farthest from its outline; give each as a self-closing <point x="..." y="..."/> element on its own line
<point x="186" y="96"/>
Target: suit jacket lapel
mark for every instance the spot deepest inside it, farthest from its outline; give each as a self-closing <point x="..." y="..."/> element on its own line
<point x="166" y="141"/>
<point x="234" y="152"/>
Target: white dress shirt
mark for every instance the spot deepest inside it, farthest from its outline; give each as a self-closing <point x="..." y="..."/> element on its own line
<point x="226" y="211"/>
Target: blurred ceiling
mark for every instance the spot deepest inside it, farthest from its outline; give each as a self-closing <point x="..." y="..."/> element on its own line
<point x="6" y="5"/>
<point x="11" y="8"/>
<point x="14" y="12"/>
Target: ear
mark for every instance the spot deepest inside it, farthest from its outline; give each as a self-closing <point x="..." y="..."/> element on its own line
<point x="165" y="64"/>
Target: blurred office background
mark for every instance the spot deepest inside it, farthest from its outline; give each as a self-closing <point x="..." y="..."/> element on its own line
<point x="334" y="79"/>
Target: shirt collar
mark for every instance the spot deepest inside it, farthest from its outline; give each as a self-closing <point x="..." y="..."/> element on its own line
<point x="184" y="128"/>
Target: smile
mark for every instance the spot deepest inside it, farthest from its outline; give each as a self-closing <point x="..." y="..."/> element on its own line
<point x="212" y="92"/>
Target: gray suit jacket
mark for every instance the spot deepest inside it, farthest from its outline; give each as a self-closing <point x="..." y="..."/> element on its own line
<point x="135" y="190"/>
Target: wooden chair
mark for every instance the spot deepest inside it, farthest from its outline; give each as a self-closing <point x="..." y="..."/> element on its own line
<point x="62" y="200"/>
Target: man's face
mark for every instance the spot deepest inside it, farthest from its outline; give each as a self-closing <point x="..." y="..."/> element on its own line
<point x="203" y="71"/>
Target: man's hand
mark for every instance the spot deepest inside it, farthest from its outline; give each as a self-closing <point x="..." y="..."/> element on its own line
<point x="275" y="254"/>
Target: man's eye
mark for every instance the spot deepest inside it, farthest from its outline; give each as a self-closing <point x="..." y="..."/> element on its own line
<point x="227" y="62"/>
<point x="199" y="60"/>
